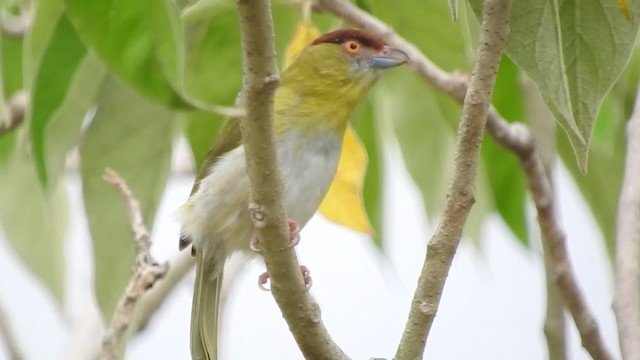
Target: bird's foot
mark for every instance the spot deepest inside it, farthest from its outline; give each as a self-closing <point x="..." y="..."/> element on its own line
<point x="294" y="236"/>
<point x="306" y="277"/>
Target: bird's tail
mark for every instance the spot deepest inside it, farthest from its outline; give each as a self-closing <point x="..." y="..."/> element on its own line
<point x="204" y="313"/>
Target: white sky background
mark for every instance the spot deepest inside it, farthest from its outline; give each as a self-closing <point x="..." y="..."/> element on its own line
<point x="492" y="308"/>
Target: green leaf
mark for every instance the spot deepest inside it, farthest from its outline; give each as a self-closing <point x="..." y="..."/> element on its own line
<point x="369" y="131"/>
<point x="201" y="130"/>
<point x="12" y="49"/>
<point x="214" y="72"/>
<point x="453" y="7"/>
<point x="133" y="136"/>
<point x="63" y="129"/>
<point x="364" y="5"/>
<point x="7" y="143"/>
<point x="12" y="82"/>
<point x="47" y="17"/>
<point x="214" y="58"/>
<point x="574" y="51"/>
<point x="140" y="41"/>
<point x="59" y="62"/>
<point x="34" y="220"/>
<point x="214" y="64"/>
<point x="601" y="186"/>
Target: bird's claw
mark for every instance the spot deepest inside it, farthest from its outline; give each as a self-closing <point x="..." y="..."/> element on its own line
<point x="306" y="277"/>
<point x="294" y="236"/>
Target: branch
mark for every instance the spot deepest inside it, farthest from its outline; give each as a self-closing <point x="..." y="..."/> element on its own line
<point x="16" y="25"/>
<point x="153" y="299"/>
<point x="460" y="196"/>
<point x="515" y="138"/>
<point x="179" y="267"/>
<point x="146" y="272"/>
<point x="14" y="113"/>
<point x="543" y="130"/>
<point x="261" y="78"/>
<point x="10" y="339"/>
<point x="626" y="301"/>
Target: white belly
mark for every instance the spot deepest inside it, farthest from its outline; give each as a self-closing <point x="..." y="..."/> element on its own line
<point x="216" y="216"/>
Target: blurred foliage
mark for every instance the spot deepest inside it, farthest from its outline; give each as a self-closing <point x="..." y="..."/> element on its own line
<point x="123" y="87"/>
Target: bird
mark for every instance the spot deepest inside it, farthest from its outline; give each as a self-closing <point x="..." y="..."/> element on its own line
<point x="313" y="104"/>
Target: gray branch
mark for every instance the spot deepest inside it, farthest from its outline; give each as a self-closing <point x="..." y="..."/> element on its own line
<point x="15" y="111"/>
<point x="460" y="196"/>
<point x="261" y="79"/>
<point x="543" y="129"/>
<point x="626" y="301"/>
<point x="146" y="273"/>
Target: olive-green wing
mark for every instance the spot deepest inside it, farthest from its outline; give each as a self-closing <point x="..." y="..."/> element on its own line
<point x="229" y="137"/>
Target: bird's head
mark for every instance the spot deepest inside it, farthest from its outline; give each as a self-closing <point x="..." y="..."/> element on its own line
<point x="352" y="55"/>
<point x="334" y="72"/>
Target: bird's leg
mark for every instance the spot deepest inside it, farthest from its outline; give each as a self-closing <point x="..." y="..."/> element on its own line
<point x="294" y="236"/>
<point x="306" y="277"/>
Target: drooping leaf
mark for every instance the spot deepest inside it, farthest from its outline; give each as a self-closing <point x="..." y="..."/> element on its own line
<point x="140" y="41"/>
<point x="214" y="57"/>
<point x="213" y="64"/>
<point x="601" y="186"/>
<point x="59" y="62"/>
<point x="343" y="203"/>
<point x="63" y="129"/>
<point x="133" y="136"/>
<point x="574" y="51"/>
<point x="46" y="19"/>
<point x="34" y="219"/>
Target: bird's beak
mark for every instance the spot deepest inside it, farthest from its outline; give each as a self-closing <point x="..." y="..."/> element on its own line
<point x="390" y="57"/>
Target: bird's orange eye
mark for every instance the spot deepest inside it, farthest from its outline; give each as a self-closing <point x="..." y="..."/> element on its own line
<point x="352" y="47"/>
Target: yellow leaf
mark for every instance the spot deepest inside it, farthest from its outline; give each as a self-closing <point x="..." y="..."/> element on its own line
<point x="624" y="8"/>
<point x="305" y="33"/>
<point x="343" y="203"/>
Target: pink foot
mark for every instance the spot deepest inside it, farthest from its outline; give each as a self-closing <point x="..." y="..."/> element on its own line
<point x="306" y="276"/>
<point x="294" y="236"/>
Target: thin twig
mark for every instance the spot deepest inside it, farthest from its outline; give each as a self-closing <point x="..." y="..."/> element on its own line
<point x="543" y="129"/>
<point x="626" y="301"/>
<point x="6" y="331"/>
<point x="460" y="196"/>
<point x="517" y="138"/>
<point x="146" y="273"/>
<point x="153" y="299"/>
<point x="261" y="78"/>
